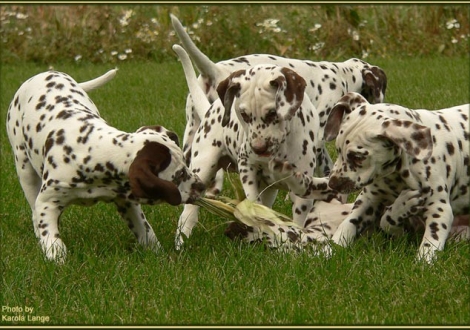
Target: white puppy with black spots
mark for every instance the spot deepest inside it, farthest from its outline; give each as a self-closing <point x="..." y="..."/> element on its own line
<point x="386" y="150"/>
<point x="65" y="153"/>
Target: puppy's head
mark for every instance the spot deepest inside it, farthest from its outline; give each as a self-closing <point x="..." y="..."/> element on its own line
<point x="369" y="144"/>
<point x="158" y="171"/>
<point x="263" y="98"/>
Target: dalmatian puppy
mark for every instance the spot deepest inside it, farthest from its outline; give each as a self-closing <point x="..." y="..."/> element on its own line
<point x="326" y="82"/>
<point x="385" y="150"/>
<point x="325" y="217"/>
<point x="65" y="153"/>
<point x="261" y="113"/>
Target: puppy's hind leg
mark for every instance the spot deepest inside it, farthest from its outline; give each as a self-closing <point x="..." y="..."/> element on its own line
<point x="47" y="211"/>
<point x="31" y="184"/>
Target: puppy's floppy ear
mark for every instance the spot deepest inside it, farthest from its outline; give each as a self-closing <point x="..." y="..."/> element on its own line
<point x="153" y="158"/>
<point x="227" y="90"/>
<point x="290" y="92"/>
<point x="413" y="138"/>
<point x="346" y="104"/>
<point x="374" y="84"/>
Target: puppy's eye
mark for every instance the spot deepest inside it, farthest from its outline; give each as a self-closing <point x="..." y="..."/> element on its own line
<point x="271" y="116"/>
<point x="246" y="118"/>
<point x="179" y="176"/>
<point x="355" y="158"/>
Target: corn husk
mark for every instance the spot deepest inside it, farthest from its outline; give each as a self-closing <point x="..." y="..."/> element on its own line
<point x="267" y="225"/>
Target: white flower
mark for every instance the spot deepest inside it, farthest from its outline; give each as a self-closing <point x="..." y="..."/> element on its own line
<point x="124" y="20"/>
<point x="114" y="53"/>
<point x="317" y="46"/>
<point x="78" y="58"/>
<point x="315" y="27"/>
<point x="198" y="23"/>
<point x="122" y="57"/>
<point x="21" y="16"/>
<point x="354" y="34"/>
<point x="128" y="51"/>
<point x="269" y="24"/>
<point x="452" y="24"/>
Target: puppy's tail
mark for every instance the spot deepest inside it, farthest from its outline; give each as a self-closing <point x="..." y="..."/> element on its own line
<point x="201" y="103"/>
<point x="205" y="66"/>
<point x="98" y="82"/>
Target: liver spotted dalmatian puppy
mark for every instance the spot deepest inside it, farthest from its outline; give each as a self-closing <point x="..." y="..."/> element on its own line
<point x="326" y="82"/>
<point x="265" y="113"/>
<point x="65" y="153"/>
<point x="385" y="151"/>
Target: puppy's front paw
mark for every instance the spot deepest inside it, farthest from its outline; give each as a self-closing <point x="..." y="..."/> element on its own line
<point x="281" y="169"/>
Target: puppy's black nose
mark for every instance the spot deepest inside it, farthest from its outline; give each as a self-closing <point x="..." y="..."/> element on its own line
<point x="198" y="186"/>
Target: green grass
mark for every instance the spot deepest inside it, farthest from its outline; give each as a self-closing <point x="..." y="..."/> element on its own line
<point x="110" y="280"/>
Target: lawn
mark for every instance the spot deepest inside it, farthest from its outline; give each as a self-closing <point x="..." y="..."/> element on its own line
<point x="109" y="280"/>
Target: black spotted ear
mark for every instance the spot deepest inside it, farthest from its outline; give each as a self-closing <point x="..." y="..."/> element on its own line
<point x="143" y="175"/>
<point x="413" y="138"/>
<point x="375" y="84"/>
<point x="173" y="137"/>
<point x="290" y="92"/>
<point x="333" y="122"/>
<point x="227" y="90"/>
<point x="346" y="104"/>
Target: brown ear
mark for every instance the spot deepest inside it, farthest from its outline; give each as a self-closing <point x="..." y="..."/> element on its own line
<point x="227" y="90"/>
<point x="153" y="158"/>
<point x="413" y="138"/>
<point x="333" y="122"/>
<point x="290" y="92"/>
<point x="375" y="84"/>
<point x="346" y="104"/>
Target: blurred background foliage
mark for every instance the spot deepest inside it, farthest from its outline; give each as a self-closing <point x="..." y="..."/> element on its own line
<point x="102" y="33"/>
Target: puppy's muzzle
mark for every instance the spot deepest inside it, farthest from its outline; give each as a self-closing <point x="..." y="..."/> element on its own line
<point x="262" y="148"/>
<point x="197" y="189"/>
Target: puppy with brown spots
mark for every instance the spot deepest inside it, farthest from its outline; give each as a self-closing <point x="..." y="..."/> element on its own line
<point x="65" y="153"/>
<point x="386" y="150"/>
<point x="325" y="81"/>
<point x="262" y="113"/>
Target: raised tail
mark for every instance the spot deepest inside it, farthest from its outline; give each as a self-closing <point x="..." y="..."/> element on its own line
<point x="205" y="66"/>
<point x="201" y="103"/>
<point x="98" y="82"/>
